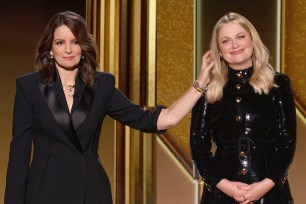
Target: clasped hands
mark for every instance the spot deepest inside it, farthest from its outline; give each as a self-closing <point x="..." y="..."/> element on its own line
<point x="245" y="193"/>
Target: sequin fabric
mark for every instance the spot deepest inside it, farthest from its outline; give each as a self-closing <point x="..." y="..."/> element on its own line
<point x="255" y="136"/>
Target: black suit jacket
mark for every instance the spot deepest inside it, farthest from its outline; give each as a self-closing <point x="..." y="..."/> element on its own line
<point x="65" y="167"/>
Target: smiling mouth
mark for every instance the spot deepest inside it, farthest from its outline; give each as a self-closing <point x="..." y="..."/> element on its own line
<point x="236" y="52"/>
<point x="68" y="58"/>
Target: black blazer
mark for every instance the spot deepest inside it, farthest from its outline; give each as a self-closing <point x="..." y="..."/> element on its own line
<point x="65" y="168"/>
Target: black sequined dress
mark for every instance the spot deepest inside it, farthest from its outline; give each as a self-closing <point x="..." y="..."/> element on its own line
<point x="255" y="136"/>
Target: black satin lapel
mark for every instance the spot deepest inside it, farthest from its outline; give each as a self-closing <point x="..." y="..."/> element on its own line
<point x="84" y="98"/>
<point x="56" y="107"/>
<point x="55" y="100"/>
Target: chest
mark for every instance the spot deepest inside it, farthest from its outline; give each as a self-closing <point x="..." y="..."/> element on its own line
<point x="241" y="111"/>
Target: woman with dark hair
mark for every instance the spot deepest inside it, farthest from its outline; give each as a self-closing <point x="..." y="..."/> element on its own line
<point x="60" y="110"/>
<point x="248" y="111"/>
<point x="88" y="65"/>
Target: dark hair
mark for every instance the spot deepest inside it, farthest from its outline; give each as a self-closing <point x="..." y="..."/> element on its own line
<point x="88" y="65"/>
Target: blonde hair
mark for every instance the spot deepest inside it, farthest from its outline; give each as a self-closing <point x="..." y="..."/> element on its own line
<point x="262" y="79"/>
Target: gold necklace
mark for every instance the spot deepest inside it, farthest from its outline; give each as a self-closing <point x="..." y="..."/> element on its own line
<point x="70" y="89"/>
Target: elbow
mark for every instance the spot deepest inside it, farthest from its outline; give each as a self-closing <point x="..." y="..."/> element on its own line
<point x="171" y="122"/>
<point x="166" y="121"/>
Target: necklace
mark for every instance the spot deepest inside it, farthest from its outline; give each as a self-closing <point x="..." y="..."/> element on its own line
<point x="70" y="89"/>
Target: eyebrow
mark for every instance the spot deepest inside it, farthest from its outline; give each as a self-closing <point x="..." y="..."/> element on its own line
<point x="235" y="35"/>
<point x="63" y="39"/>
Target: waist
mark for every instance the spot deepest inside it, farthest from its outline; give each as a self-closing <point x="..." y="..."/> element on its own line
<point x="245" y="144"/>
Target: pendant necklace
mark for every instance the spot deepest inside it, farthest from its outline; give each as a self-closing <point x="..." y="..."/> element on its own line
<point x="70" y="89"/>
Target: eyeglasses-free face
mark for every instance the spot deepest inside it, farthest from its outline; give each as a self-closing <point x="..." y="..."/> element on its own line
<point x="236" y="45"/>
<point x="65" y="49"/>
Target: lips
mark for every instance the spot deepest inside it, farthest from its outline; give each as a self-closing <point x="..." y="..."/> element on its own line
<point x="237" y="52"/>
<point x="69" y="58"/>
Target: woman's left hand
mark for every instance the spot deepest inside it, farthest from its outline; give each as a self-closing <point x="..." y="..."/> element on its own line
<point x="177" y="110"/>
<point x="257" y="190"/>
<point x="207" y="65"/>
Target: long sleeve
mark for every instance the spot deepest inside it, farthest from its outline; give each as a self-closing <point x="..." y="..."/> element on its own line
<point x="284" y="149"/>
<point x="125" y="111"/>
<point x="200" y="144"/>
<point x="20" y="149"/>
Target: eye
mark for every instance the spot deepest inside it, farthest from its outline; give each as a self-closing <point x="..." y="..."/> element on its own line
<point x="241" y="36"/>
<point x="59" y="42"/>
<point x="224" y="41"/>
<point x="75" y="42"/>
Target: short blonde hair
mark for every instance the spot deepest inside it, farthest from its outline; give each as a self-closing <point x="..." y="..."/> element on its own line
<point x="262" y="79"/>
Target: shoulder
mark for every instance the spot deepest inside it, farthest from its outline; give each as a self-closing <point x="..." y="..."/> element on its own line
<point x="105" y="80"/>
<point x="104" y="76"/>
<point x="281" y="79"/>
<point x="27" y="84"/>
<point x="27" y="79"/>
<point x="282" y="82"/>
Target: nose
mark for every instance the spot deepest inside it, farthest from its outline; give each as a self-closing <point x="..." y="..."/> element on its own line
<point x="235" y="44"/>
<point x="68" y="49"/>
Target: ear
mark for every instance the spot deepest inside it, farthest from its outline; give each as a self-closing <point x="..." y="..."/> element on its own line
<point x="221" y="57"/>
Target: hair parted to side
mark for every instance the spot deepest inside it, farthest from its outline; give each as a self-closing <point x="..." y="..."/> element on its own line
<point x="262" y="79"/>
<point x="88" y="65"/>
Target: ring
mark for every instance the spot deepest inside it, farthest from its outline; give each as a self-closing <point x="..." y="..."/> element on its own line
<point x="244" y="198"/>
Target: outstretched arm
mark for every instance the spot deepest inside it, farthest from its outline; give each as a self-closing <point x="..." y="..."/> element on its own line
<point x="175" y="113"/>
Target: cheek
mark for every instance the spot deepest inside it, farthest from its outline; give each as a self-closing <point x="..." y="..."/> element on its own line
<point x="249" y="44"/>
<point x="55" y="51"/>
<point x="78" y="49"/>
<point x="224" y="49"/>
<point x="78" y="52"/>
<point x="224" y="53"/>
<point x="250" y="49"/>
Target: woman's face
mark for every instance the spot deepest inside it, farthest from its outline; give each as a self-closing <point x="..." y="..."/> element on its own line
<point x="236" y="46"/>
<point x="65" y="49"/>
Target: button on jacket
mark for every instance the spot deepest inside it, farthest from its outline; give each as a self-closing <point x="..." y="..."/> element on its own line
<point x="255" y="136"/>
<point x="65" y="168"/>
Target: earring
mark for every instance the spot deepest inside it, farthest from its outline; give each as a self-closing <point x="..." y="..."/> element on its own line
<point x="51" y="57"/>
<point x="221" y="58"/>
<point x="83" y="57"/>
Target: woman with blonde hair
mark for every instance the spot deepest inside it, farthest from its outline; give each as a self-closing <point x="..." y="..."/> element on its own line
<point x="248" y="111"/>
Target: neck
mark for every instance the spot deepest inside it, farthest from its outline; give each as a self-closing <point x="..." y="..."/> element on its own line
<point x="241" y="66"/>
<point x="67" y="76"/>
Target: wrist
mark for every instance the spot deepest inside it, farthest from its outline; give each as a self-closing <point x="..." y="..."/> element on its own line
<point x="268" y="182"/>
<point x="199" y="86"/>
<point x="222" y="183"/>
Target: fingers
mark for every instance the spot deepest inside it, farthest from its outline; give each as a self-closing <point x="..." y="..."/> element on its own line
<point x="239" y="195"/>
<point x="207" y="60"/>
<point x="241" y="200"/>
<point x="207" y="64"/>
<point x="244" y="187"/>
<point x="248" y="198"/>
<point x="245" y="200"/>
